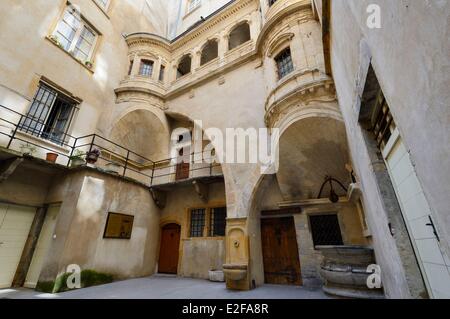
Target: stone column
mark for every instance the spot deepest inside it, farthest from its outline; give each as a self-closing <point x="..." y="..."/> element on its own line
<point x="156" y="69"/>
<point x="195" y="62"/>
<point x="136" y="65"/>
<point x="223" y="47"/>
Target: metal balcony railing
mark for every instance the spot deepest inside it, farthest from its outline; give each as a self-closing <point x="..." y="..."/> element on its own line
<point x="113" y="157"/>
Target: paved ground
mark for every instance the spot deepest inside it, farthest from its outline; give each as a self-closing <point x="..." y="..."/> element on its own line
<point x="163" y="287"/>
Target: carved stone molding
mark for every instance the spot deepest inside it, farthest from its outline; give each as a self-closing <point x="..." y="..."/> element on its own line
<point x="319" y="94"/>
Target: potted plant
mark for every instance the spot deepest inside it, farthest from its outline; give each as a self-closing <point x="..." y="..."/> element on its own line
<point x="89" y="64"/>
<point x="54" y="39"/>
<point x="28" y="149"/>
<point x="92" y="156"/>
<point x="52" y="157"/>
<point x="113" y="167"/>
<point x="77" y="159"/>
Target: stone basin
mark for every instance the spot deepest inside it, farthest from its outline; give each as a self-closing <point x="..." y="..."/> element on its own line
<point x="344" y="271"/>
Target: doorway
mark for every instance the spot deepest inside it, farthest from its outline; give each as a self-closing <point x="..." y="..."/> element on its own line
<point x="169" y="250"/>
<point x="280" y="251"/>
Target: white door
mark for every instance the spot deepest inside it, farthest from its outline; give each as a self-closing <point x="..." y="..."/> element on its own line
<point x="15" y="224"/>
<point x="42" y="247"/>
<point x="416" y="211"/>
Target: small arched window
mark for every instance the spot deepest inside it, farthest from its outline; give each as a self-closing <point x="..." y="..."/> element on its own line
<point x="184" y="67"/>
<point x="284" y="63"/>
<point x="209" y="52"/>
<point x="239" y="35"/>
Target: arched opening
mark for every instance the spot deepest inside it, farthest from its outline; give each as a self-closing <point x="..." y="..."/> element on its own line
<point x="210" y="52"/>
<point x="286" y="205"/>
<point x="144" y="134"/>
<point x="184" y="67"/>
<point x="312" y="149"/>
<point x="239" y="35"/>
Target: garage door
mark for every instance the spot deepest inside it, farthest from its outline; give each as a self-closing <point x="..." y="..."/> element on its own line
<point x="42" y="247"/>
<point x="418" y="217"/>
<point x="15" y="224"/>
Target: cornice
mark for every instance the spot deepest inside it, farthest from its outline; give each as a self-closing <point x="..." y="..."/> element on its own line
<point x="318" y="91"/>
<point x="285" y="12"/>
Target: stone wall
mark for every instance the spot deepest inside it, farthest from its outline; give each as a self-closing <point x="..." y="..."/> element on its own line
<point x="409" y="56"/>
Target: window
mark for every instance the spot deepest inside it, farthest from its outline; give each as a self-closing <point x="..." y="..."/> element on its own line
<point x="239" y="35"/>
<point x="161" y="73"/>
<point x="271" y="2"/>
<point x="384" y="124"/>
<point x="284" y="63"/>
<point x="208" y="222"/>
<point x="146" y="68"/>
<point x="50" y="115"/>
<point x="197" y="222"/>
<point x="118" y="226"/>
<point x="103" y="3"/>
<point x="209" y="52"/>
<point x="218" y="222"/>
<point x="325" y="230"/>
<point x="184" y="67"/>
<point x="130" y="70"/>
<point x="75" y="36"/>
<point x="193" y="4"/>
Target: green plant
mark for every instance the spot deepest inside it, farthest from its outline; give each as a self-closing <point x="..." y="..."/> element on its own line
<point x="45" y="286"/>
<point x="88" y="278"/>
<point x="55" y="39"/>
<point x="78" y="155"/>
<point x="89" y="64"/>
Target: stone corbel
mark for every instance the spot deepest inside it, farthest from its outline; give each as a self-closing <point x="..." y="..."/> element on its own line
<point x="159" y="197"/>
<point x="8" y="167"/>
<point x="202" y="190"/>
<point x="354" y="192"/>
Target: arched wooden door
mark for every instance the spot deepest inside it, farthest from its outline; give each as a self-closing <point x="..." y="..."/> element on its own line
<point x="169" y="254"/>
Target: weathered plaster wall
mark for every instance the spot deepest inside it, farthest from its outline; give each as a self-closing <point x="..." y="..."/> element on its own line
<point x="21" y="70"/>
<point x="413" y="33"/>
<point x="81" y="223"/>
<point x="197" y="255"/>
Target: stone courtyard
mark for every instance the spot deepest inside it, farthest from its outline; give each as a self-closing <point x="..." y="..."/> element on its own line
<point x="169" y="287"/>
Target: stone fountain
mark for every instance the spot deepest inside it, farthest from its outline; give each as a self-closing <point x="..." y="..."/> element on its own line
<point x="344" y="271"/>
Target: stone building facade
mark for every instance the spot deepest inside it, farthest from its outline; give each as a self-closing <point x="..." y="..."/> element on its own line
<point x="125" y="78"/>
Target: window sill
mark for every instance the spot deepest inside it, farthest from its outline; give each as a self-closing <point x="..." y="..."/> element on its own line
<point x="75" y="59"/>
<point x="103" y="10"/>
<point x="205" y="238"/>
<point x="46" y="143"/>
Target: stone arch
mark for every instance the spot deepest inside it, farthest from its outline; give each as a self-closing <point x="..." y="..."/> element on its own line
<point x="313" y="145"/>
<point x="184" y="65"/>
<point x="143" y="131"/>
<point x="239" y="34"/>
<point x="209" y="51"/>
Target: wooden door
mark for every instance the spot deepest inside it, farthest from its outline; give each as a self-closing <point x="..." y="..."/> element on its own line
<point x="169" y="251"/>
<point x="280" y="251"/>
<point x="182" y="171"/>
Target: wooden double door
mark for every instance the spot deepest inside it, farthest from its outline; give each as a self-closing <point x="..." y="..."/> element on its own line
<point x="169" y="249"/>
<point x="280" y="251"/>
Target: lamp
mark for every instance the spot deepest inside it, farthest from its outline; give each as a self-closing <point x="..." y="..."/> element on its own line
<point x="334" y="198"/>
